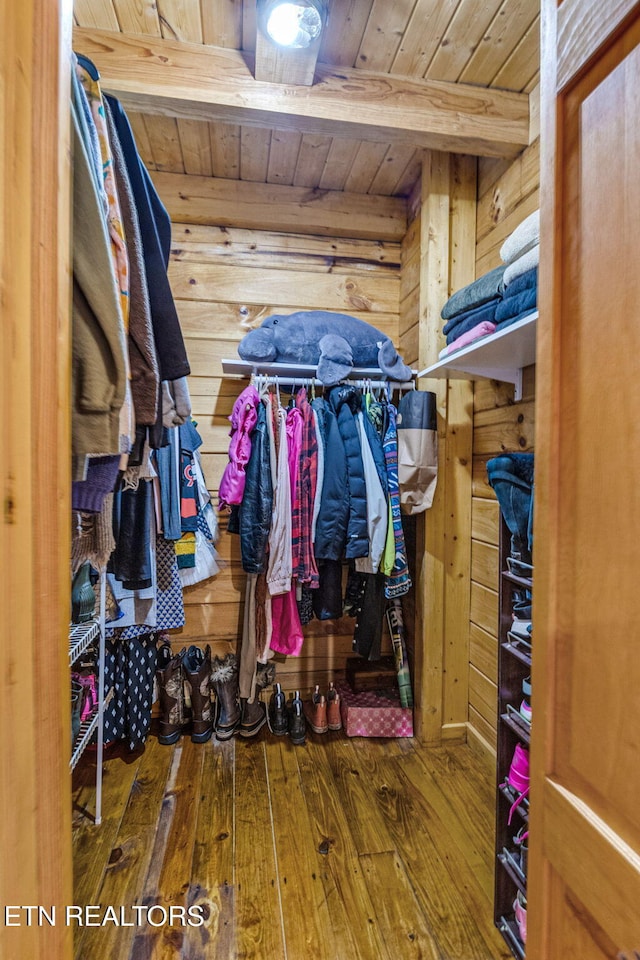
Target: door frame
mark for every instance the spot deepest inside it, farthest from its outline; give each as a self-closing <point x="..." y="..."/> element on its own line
<point x="35" y="785"/>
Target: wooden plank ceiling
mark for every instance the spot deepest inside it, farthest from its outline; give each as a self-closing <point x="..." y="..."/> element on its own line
<point x="488" y="43"/>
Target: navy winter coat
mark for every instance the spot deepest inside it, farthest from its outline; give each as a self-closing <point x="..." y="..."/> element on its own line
<point x="256" y="510"/>
<point x="341" y="528"/>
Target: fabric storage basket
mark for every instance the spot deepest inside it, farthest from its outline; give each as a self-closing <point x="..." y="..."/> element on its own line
<point x="374" y="713"/>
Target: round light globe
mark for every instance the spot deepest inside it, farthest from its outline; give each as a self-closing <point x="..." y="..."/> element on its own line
<point x="294" y="25"/>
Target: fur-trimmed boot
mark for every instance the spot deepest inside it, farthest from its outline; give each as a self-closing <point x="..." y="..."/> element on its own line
<point x="197" y="678"/>
<point x="170" y="678"/>
<point x="254" y="712"/>
<point x="224" y="678"/>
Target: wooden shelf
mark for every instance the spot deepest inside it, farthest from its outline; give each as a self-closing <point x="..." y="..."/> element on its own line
<point x="299" y="371"/>
<point x="500" y="356"/>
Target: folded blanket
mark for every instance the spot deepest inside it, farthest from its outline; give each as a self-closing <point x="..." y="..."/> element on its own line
<point x="525" y="281"/>
<point x="480" y="330"/>
<point x="469" y="319"/>
<point x="527" y="261"/>
<point x="511" y="320"/>
<point x="485" y="288"/>
<point x="512" y="306"/>
<point x="470" y="323"/>
<point x="524" y="237"/>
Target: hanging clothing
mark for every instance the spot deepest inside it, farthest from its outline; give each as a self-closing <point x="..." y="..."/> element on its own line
<point x="341" y="528"/>
<point x="255" y="511"/>
<point x="318" y="419"/>
<point x="398" y="581"/>
<point x="243" y="419"/>
<point x="134" y="523"/>
<point x="304" y="565"/>
<point x="129" y="670"/>
<point x="367" y="636"/>
<point x="155" y="228"/>
<point x="190" y="440"/>
<point x="143" y="362"/>
<point x="167" y="460"/>
<point x="280" y="556"/>
<point x="377" y="506"/>
<point x="99" y="370"/>
<point x="286" y="635"/>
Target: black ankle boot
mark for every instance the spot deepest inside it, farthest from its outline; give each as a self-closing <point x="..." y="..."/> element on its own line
<point x="278" y="712"/>
<point x="297" y="727"/>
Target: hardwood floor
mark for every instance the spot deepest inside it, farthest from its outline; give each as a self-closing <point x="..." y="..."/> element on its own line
<point x="343" y="849"/>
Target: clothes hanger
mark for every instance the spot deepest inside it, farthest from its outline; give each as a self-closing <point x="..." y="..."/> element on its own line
<point x="88" y="65"/>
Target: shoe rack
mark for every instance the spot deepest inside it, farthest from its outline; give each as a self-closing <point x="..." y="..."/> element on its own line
<point x="514" y="667"/>
<point x="81" y="637"/>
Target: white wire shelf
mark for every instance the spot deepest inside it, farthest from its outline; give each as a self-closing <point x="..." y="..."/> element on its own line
<point x="87" y="729"/>
<point x="81" y="636"/>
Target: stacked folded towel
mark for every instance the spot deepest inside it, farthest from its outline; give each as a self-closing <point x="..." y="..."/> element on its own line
<point x="520" y="299"/>
<point x="470" y="312"/>
<point x="521" y="250"/>
<point x="498" y="298"/>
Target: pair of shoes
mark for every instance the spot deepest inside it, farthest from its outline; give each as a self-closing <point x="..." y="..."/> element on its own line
<point x="296" y="725"/>
<point x="323" y="713"/>
<point x="521" y="842"/>
<point x="518" y="777"/>
<point x="520" y="911"/>
<point x="181" y="678"/>
<point x="287" y="718"/>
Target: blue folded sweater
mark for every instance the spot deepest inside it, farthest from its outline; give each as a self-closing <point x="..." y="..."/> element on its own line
<point x="485" y="288"/>
<point x="470" y="317"/>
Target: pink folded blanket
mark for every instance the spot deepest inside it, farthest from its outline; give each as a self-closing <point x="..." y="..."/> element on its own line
<point x="482" y="329"/>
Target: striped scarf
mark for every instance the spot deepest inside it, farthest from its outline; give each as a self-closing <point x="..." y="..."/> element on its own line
<point x="399" y="582"/>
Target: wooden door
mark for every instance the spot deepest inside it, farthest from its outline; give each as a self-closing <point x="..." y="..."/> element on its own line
<point x="35" y="792"/>
<point x="584" y="885"/>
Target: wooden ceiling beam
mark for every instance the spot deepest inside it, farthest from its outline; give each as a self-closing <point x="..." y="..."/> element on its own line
<point x="241" y="203"/>
<point x="194" y="81"/>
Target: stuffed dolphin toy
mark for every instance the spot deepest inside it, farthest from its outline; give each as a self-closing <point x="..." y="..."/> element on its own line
<point x="334" y="342"/>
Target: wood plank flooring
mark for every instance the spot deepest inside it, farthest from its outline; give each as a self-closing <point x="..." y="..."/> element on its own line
<point x="344" y="849"/>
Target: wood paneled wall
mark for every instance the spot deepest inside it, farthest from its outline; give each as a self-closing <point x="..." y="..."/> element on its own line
<point x="226" y="281"/>
<point x="505" y="197"/>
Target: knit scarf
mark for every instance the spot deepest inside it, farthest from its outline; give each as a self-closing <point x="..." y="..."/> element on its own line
<point x="399" y="582"/>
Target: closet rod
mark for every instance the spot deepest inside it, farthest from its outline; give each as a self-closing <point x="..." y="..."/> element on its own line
<point x="268" y="380"/>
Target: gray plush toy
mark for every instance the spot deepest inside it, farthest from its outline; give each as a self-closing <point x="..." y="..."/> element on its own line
<point x="334" y="342"/>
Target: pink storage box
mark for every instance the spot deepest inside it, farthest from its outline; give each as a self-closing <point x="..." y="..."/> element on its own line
<point x="374" y="713"/>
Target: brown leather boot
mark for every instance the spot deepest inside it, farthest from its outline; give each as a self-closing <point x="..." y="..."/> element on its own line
<point x="315" y="711"/>
<point x="171" y="693"/>
<point x="334" y="719"/>
<point x="197" y="677"/>
<point x="224" y="677"/>
<point x="254" y="712"/>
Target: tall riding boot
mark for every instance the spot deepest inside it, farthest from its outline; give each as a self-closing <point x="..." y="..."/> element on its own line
<point x="197" y="675"/>
<point x="224" y="677"/>
<point x="171" y="691"/>
<point x="254" y="712"/>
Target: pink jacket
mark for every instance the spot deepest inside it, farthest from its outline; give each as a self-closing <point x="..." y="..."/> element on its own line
<point x="243" y="419"/>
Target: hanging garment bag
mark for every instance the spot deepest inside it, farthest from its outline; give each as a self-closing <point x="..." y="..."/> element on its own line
<point x="417" y="450"/>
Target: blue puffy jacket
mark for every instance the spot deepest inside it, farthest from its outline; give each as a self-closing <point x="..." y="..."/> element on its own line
<point x="341" y="528"/>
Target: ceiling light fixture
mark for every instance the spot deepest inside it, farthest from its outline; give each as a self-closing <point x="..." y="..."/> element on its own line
<point x="293" y="25"/>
